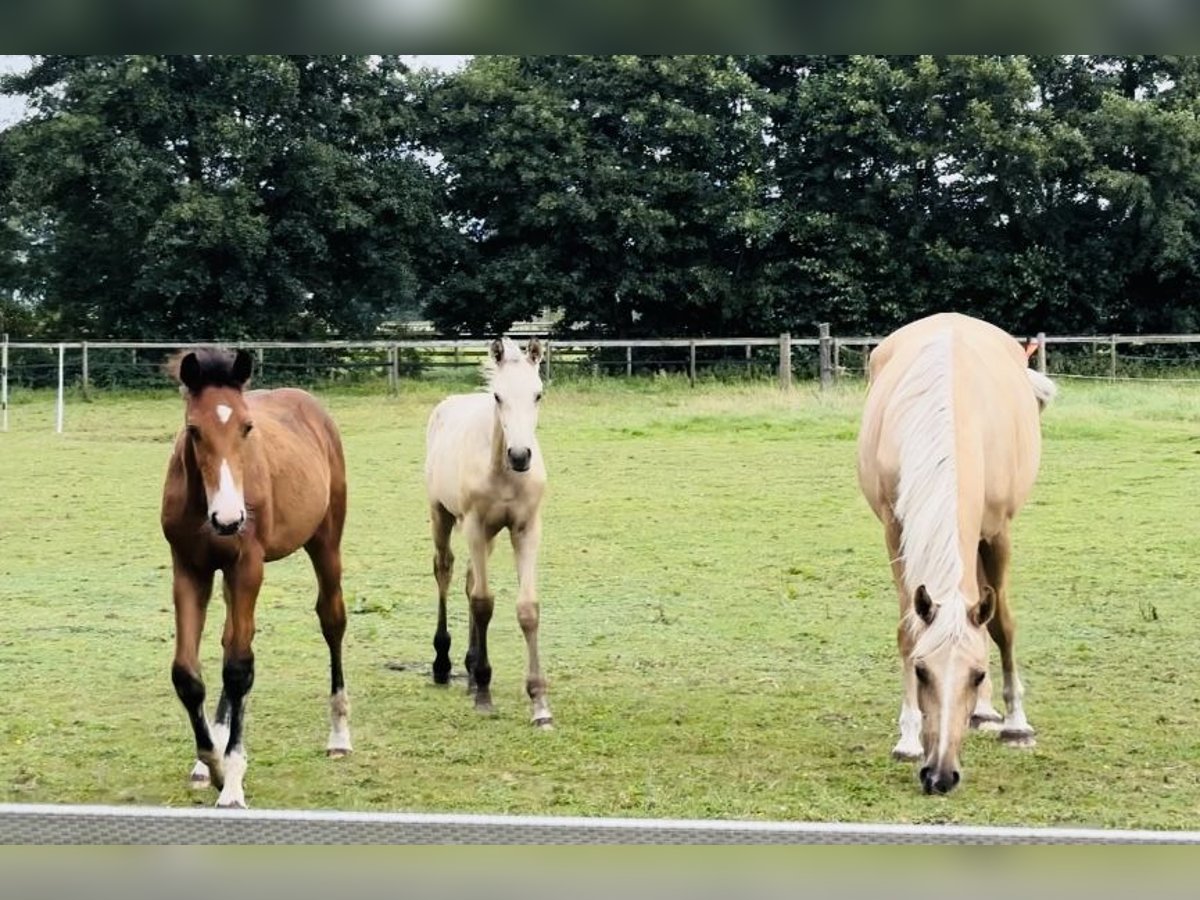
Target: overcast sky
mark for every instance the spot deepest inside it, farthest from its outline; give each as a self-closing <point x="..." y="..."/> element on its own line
<point x="12" y="108"/>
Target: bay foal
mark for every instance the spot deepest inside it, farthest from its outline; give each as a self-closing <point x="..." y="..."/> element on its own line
<point x="252" y="478"/>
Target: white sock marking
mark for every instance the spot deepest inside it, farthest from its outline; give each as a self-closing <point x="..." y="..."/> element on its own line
<point x="234" y="794"/>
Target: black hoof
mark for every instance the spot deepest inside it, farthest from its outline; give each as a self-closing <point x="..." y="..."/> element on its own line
<point x="441" y="672"/>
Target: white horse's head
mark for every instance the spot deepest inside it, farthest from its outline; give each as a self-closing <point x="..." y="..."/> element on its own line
<point x="516" y="388"/>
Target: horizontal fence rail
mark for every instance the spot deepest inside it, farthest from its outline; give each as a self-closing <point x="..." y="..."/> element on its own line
<point x="824" y="359"/>
<point x="65" y="824"/>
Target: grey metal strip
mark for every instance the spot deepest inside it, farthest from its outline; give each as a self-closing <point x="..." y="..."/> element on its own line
<point x="63" y="824"/>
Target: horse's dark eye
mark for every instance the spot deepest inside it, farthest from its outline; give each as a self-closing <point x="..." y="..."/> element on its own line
<point x="497" y="396"/>
<point x="922" y="674"/>
<point x="977" y="677"/>
<point x="193" y="432"/>
<point x="538" y="398"/>
<point x="247" y="428"/>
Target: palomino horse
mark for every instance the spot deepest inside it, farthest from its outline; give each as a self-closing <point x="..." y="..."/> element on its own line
<point x="948" y="452"/>
<point x="484" y="471"/>
<point x="253" y="477"/>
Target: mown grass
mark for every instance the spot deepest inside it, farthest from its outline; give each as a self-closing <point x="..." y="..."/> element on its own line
<point x="718" y="620"/>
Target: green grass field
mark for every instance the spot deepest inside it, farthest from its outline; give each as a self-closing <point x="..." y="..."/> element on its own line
<point x="717" y="620"/>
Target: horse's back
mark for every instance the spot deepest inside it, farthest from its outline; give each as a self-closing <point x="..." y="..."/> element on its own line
<point x="908" y="340"/>
<point x="994" y="407"/>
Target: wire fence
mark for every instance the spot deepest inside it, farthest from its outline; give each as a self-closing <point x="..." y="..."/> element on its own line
<point x="82" y="367"/>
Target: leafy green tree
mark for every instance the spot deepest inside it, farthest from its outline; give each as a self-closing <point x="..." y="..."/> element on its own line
<point x="221" y="196"/>
<point x="624" y="191"/>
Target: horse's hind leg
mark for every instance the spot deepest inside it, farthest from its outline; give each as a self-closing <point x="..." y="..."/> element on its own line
<point x="442" y="523"/>
<point x="985" y="717"/>
<point x="1015" y="730"/>
<point x="525" y="541"/>
<point x="324" y="551"/>
<point x="192" y="591"/>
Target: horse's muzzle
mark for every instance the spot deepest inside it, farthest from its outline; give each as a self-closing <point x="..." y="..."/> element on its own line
<point x="227" y="529"/>
<point x="939" y="782"/>
<point x="520" y="458"/>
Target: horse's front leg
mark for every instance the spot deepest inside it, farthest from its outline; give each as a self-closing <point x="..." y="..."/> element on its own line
<point x="479" y="667"/>
<point x="908" y="747"/>
<point x="237" y="673"/>
<point x="191" y="591"/>
<point x="525" y="540"/>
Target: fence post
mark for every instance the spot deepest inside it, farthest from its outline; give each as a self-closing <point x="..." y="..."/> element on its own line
<point x="629" y="362"/>
<point x="785" y="360"/>
<point x="692" y="363"/>
<point x="1041" y="352"/>
<point x="83" y="378"/>
<point x="58" y="419"/>
<point x="837" y="359"/>
<point x="259" y="365"/>
<point x="826" y="375"/>
<point x="1112" y="356"/>
<point x="547" y="348"/>
<point x="4" y="383"/>
<point x="395" y="370"/>
<point x="867" y="361"/>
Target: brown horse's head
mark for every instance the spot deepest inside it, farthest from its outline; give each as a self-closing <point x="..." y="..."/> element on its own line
<point x="218" y="427"/>
<point x="950" y="658"/>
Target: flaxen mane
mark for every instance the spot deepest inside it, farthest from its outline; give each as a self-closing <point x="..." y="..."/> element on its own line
<point x="927" y="494"/>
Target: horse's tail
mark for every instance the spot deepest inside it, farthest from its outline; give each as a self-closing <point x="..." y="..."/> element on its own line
<point x="1043" y="388"/>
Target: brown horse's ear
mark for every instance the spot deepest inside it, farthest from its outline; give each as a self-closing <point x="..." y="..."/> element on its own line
<point x="923" y="605"/>
<point x="189" y="372"/>
<point x="243" y="365"/>
<point x="534" y="351"/>
<point x="497" y="350"/>
<point x="985" y="608"/>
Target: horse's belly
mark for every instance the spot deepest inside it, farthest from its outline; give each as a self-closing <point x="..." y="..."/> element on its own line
<point x="299" y="506"/>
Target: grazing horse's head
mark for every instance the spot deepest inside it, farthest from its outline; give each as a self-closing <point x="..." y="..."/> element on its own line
<point x="218" y="425"/>
<point x="950" y="657"/>
<point x="516" y="388"/>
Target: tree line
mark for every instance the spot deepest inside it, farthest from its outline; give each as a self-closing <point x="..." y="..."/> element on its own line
<point x="236" y="197"/>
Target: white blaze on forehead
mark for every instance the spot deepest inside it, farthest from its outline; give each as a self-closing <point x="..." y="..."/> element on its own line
<point x="223" y="413"/>
<point x="227" y="504"/>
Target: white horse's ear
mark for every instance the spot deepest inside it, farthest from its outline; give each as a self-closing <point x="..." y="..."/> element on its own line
<point x="534" y="351"/>
<point x="497" y="350"/>
<point x="923" y="605"/>
<point x="985" y="608"/>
